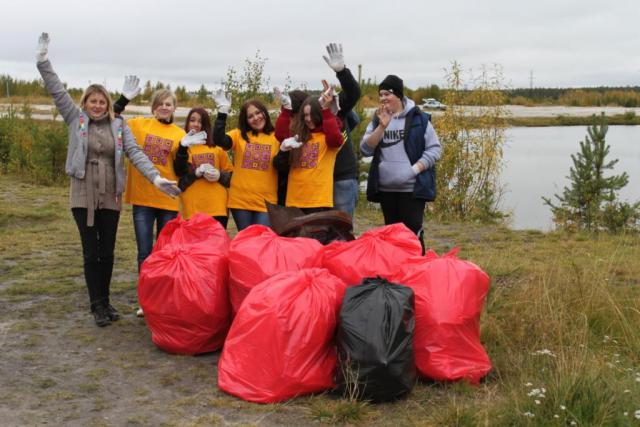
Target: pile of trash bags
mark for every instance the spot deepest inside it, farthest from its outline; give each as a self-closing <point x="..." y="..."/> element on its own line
<point x="365" y="317"/>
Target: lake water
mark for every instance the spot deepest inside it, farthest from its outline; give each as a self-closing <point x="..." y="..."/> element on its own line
<point x="537" y="162"/>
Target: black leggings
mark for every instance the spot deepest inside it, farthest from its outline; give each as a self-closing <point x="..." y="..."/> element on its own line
<point x="402" y="207"/>
<point x="222" y="220"/>
<point x="98" y="244"/>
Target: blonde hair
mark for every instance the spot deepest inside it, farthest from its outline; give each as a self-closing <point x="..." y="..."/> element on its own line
<point x="159" y="96"/>
<point x="96" y="88"/>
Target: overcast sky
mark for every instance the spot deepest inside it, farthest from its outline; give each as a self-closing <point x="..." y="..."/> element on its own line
<point x="563" y="43"/>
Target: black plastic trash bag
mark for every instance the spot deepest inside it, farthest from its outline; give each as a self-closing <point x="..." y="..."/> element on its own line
<point x="375" y="341"/>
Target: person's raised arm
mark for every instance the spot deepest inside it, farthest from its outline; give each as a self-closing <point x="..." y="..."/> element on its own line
<point x="283" y="121"/>
<point x="181" y="162"/>
<point x="130" y="89"/>
<point x="375" y="132"/>
<point x="220" y="138"/>
<point x="351" y="93"/>
<point x="61" y="98"/>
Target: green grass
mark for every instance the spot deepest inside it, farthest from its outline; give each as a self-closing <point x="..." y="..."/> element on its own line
<point x="562" y="314"/>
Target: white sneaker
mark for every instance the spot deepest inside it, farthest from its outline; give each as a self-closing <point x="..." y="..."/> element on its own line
<point x="140" y="313"/>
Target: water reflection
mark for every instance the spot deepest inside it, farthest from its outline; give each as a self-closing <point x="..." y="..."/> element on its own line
<point x="538" y="161"/>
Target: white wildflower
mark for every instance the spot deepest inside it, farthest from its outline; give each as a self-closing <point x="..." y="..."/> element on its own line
<point x="627" y="391"/>
<point x="543" y="352"/>
<point x="638" y="379"/>
<point x="637" y="414"/>
<point x="625" y="413"/>
<point x="528" y="385"/>
<point x="606" y="338"/>
<point x="537" y="401"/>
<point x="562" y="407"/>
<point x="556" y="416"/>
<point x="529" y="414"/>
<point x="573" y="423"/>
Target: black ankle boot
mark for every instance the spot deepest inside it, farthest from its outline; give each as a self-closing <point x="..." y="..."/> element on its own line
<point x="101" y="315"/>
<point x="113" y="313"/>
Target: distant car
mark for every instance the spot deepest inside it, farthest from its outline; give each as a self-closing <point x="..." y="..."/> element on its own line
<point x="432" y="104"/>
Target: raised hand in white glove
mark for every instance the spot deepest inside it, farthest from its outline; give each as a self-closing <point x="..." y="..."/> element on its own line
<point x="166" y="186"/>
<point x="43" y="47"/>
<point x="193" y="138"/>
<point x="223" y="101"/>
<point x="131" y="87"/>
<point x="335" y="60"/>
<point x="290" y="143"/>
<point x="283" y="97"/>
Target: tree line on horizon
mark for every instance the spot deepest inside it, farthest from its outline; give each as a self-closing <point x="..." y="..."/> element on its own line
<point x="628" y="96"/>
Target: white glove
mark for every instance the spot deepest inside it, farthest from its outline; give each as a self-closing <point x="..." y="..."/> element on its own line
<point x="193" y="138"/>
<point x="417" y="168"/>
<point x="284" y="98"/>
<point x="200" y="170"/>
<point x="166" y="186"/>
<point x="223" y="102"/>
<point x="335" y="59"/>
<point x="212" y="174"/>
<point x="290" y="143"/>
<point x="131" y="87"/>
<point x="43" y="47"/>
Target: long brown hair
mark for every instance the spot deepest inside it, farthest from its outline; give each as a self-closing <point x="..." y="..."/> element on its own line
<point x="205" y="122"/>
<point x="299" y="127"/>
<point x="243" y="122"/>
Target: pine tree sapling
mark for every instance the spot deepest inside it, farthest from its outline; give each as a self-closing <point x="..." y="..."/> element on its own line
<point x="590" y="200"/>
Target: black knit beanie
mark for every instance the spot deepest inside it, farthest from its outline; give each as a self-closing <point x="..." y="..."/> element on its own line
<point x="393" y="84"/>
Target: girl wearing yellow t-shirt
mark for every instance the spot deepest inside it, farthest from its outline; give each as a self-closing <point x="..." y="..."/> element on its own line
<point x="311" y="153"/>
<point x="254" y="146"/>
<point x="204" y="170"/>
<point x="159" y="138"/>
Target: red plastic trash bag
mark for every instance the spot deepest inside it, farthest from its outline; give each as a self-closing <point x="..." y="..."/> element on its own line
<point x="257" y="253"/>
<point x="281" y="343"/>
<point x="377" y="252"/>
<point x="183" y="292"/>
<point x="201" y="227"/>
<point x="449" y="295"/>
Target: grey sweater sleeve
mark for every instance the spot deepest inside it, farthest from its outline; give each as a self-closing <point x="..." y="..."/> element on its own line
<point x="432" y="147"/>
<point x="364" y="147"/>
<point x="136" y="155"/>
<point x="54" y="86"/>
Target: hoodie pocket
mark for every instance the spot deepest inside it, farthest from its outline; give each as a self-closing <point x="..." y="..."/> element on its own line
<point x="397" y="174"/>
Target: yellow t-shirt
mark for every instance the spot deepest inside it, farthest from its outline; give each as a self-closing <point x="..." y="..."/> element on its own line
<point x="204" y="196"/>
<point x="311" y="176"/>
<point x="160" y="143"/>
<point x="254" y="177"/>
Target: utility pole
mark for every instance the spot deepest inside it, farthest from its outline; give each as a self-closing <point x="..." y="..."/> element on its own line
<point x="8" y="93"/>
<point x="360" y="74"/>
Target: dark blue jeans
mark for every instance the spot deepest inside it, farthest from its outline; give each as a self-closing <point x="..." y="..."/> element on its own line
<point x="144" y="218"/>
<point x="244" y="218"/>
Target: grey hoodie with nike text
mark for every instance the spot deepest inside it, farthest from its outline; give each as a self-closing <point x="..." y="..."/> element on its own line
<point x="395" y="172"/>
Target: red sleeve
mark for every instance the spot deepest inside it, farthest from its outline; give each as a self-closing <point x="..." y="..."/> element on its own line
<point x="331" y="129"/>
<point x="282" y="125"/>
